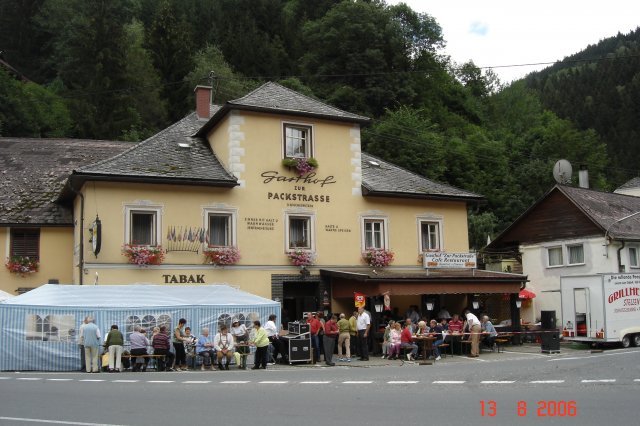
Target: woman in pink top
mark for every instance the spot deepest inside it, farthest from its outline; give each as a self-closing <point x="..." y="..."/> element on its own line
<point x="394" y="341"/>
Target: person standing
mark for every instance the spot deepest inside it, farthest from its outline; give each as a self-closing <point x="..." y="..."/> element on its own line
<point x="314" y="329"/>
<point x="474" y="327"/>
<point x="344" y="338"/>
<point x="178" y="345"/>
<point x="363" y="324"/>
<point x="92" y="339"/>
<point x="261" y="342"/>
<point x="353" y="333"/>
<point x="274" y="339"/>
<point x="114" y="344"/>
<point x="83" y="365"/>
<point x="139" y="342"/>
<point x="329" y="340"/>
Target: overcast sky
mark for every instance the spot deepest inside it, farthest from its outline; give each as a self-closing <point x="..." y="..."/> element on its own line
<point x="511" y="32"/>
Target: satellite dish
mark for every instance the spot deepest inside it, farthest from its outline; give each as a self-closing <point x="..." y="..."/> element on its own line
<point x="562" y="172"/>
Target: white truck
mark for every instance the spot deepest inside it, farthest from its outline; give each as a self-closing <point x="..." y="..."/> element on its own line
<point x="602" y="308"/>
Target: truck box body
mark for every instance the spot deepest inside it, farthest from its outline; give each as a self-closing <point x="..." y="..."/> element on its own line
<point x="601" y="308"/>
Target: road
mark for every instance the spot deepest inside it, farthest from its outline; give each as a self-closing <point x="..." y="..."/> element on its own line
<point x="581" y="388"/>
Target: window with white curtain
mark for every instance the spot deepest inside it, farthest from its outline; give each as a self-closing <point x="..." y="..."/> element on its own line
<point x="555" y="256"/>
<point x="374" y="237"/>
<point x="576" y="254"/>
<point x="142" y="225"/>
<point x="429" y="235"/>
<point x="220" y="229"/>
<point x="297" y="141"/>
<point x="299" y="232"/>
<point x="633" y="257"/>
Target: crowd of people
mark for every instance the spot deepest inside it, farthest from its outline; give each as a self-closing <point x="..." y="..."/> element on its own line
<point x="350" y="335"/>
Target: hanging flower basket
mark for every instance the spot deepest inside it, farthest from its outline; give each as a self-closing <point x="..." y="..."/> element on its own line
<point x="222" y="255"/>
<point x="301" y="257"/>
<point x="302" y="166"/>
<point x="22" y="265"/>
<point x="143" y="255"/>
<point x="378" y="258"/>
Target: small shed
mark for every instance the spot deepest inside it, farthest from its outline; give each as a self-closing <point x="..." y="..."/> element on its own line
<point x="39" y="329"/>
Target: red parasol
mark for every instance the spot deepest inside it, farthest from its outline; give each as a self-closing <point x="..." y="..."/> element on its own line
<point x="526" y="294"/>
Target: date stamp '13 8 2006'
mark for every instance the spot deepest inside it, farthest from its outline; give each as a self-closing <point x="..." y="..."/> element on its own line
<point x="542" y="409"/>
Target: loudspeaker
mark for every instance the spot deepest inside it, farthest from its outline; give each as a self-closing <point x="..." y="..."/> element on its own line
<point x="548" y="320"/>
<point x="550" y="342"/>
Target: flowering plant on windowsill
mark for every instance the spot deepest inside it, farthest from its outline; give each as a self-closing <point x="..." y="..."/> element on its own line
<point x="222" y="255"/>
<point x="22" y="265"/>
<point x="301" y="257"/>
<point x="302" y="165"/>
<point x="142" y="255"/>
<point x="378" y="258"/>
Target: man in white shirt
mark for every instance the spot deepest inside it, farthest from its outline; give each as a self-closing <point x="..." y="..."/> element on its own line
<point x="363" y="323"/>
<point x="223" y="344"/>
<point x="474" y="327"/>
<point x="274" y="339"/>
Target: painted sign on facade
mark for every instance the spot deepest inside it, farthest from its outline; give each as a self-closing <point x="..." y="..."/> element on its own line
<point x="439" y="260"/>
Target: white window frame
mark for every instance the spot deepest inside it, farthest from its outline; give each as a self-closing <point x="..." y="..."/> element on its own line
<point x="385" y="231"/>
<point x="143" y="208"/>
<point x="312" y="231"/>
<point x="549" y="265"/>
<point x="233" y="222"/>
<point x="308" y="143"/>
<point x="633" y="257"/>
<point x="568" y="246"/>
<point x="430" y="221"/>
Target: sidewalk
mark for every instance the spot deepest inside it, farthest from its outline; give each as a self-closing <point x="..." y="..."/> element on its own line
<point x="511" y="352"/>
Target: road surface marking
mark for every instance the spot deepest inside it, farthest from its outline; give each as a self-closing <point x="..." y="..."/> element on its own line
<point x="448" y="382"/>
<point x="193" y="382"/>
<point x="402" y="382"/>
<point x="273" y="382"/>
<point x="5" y="378"/>
<point x="234" y="382"/>
<point x="58" y="422"/>
<point x="125" y="381"/>
<point x="315" y="383"/>
<point x="497" y="382"/>
<point x="636" y="380"/>
<point x="355" y="382"/>
<point x="29" y="378"/>
<point x="91" y="380"/>
<point x="547" y="381"/>
<point x="160" y="381"/>
<point x="59" y="380"/>
<point x="599" y="381"/>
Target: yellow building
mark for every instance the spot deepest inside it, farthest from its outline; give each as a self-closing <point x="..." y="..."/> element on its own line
<point x="276" y="177"/>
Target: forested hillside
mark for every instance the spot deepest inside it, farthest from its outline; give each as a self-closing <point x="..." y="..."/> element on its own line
<point x="123" y="69"/>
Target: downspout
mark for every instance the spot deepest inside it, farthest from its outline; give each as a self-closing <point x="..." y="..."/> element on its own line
<point x="81" y="248"/>
<point x="620" y="267"/>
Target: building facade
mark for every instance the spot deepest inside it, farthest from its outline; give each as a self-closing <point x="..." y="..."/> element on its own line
<point x="270" y="193"/>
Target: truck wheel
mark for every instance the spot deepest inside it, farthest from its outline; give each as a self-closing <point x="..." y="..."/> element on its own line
<point x="626" y="342"/>
<point x="636" y="340"/>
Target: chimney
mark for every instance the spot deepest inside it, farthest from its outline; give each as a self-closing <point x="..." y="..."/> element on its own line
<point x="583" y="177"/>
<point x="203" y="101"/>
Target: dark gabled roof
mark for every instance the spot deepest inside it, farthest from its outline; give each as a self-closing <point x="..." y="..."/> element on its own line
<point x="273" y="98"/>
<point x="381" y="178"/>
<point x="608" y="212"/>
<point x="35" y="170"/>
<point x="171" y="156"/>
<point x="631" y="183"/>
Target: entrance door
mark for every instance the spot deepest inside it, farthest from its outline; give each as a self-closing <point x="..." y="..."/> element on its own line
<point x="581" y="305"/>
<point x="299" y="297"/>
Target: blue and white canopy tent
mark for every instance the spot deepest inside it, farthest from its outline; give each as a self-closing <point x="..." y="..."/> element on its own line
<point x="39" y="329"/>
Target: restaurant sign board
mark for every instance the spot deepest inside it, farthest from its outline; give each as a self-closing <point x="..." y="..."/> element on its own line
<point x="439" y="260"/>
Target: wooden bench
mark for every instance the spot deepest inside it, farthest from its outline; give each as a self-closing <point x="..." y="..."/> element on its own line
<point x="148" y="356"/>
<point x="443" y="349"/>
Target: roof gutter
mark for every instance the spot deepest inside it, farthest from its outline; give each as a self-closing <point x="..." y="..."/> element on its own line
<point x="81" y="245"/>
<point x="389" y="194"/>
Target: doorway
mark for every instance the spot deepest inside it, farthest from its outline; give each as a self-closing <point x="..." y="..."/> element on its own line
<point x="299" y="297"/>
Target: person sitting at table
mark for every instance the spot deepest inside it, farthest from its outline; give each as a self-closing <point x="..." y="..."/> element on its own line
<point x="386" y="340"/>
<point x="455" y="325"/>
<point x="436" y="332"/>
<point x="422" y="329"/>
<point x="223" y="344"/>
<point x="204" y="348"/>
<point x="190" y="347"/>
<point x="490" y="338"/>
<point x="406" y="340"/>
<point x="444" y="323"/>
<point x="395" y="333"/>
<point x="161" y="345"/>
